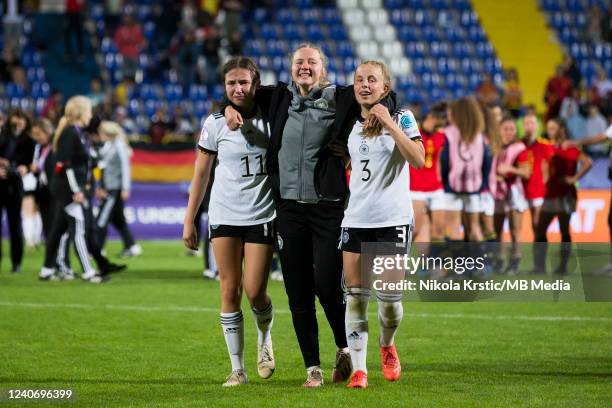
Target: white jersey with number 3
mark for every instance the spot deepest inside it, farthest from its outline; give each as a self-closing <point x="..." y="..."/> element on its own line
<point x="379" y="190"/>
<point x="241" y="194"/>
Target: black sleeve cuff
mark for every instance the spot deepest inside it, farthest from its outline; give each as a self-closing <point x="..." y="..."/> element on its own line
<point x="205" y="150"/>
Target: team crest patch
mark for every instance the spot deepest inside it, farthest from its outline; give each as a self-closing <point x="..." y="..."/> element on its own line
<point x="279" y="242"/>
<point x="406" y="122"/>
<point x="214" y="226"/>
<point x="345" y="237"/>
<point x="250" y="146"/>
<point x="364" y="149"/>
<point x="321" y="103"/>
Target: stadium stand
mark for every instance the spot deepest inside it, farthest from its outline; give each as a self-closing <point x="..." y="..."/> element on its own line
<point x="568" y="18"/>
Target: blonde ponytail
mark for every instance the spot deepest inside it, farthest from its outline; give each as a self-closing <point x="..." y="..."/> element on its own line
<point x="58" y="132"/>
<point x="74" y="110"/>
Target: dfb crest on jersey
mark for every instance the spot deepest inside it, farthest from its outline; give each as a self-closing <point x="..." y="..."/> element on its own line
<point x="406" y="122"/>
<point x="364" y="148"/>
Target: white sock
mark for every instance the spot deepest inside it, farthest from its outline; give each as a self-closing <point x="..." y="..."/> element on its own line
<point x="27" y="224"/>
<point x="356" y="323"/>
<point x="38" y="229"/>
<point x="390" y="316"/>
<point x="264" y="319"/>
<point x="233" y="331"/>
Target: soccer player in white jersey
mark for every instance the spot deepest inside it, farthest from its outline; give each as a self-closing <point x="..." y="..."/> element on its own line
<point x="240" y="212"/>
<point x="379" y="210"/>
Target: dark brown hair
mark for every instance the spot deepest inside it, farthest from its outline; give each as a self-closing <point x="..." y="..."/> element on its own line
<point x="244" y="63"/>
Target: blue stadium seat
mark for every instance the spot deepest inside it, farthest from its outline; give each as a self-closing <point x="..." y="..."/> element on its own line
<point x="337" y="33"/>
<point x="260" y="16"/>
<point x="492" y="65"/>
<point x="97" y="12"/>
<point x="453" y="34"/>
<point x="431" y="34"/>
<point x="575" y="5"/>
<point x="331" y="16"/>
<point x="40" y="90"/>
<point x="270" y="31"/>
<point x="344" y="49"/>
<point x="393" y="4"/>
<point x="462" y="5"/>
<point x="144" y="12"/>
<point x="424" y="17"/>
<point x="315" y="33"/>
<point x="407" y="33"/>
<point x="415" y="4"/>
<point x="569" y="35"/>
<point x="474" y="80"/>
<point x="14" y="91"/>
<point x="284" y="76"/>
<point x="439" y="4"/>
<point x="469" y="18"/>
<point x="134" y="107"/>
<point x="415" y="49"/>
<point x="286" y="16"/>
<point x="484" y="50"/>
<point x="40" y="74"/>
<point x="310" y="16"/>
<point x="603" y="52"/>
<point x="476" y="34"/>
<point x="350" y="64"/>
<point x="580" y="20"/>
<point x="401" y="18"/>
<point x="579" y="50"/>
<point x="551" y="5"/>
<point x="587" y="68"/>
<point x="292" y="32"/>
<point x="149" y="30"/>
<point x="303" y="4"/>
<point x="442" y="66"/>
<point x="453" y="64"/>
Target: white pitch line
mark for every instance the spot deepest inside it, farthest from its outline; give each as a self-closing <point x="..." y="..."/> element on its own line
<point x="195" y="309"/>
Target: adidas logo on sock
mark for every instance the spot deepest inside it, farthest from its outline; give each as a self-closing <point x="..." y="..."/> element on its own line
<point x="354" y="336"/>
<point x="231" y="330"/>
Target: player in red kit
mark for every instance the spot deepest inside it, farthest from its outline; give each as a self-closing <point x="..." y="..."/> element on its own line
<point x="560" y="196"/>
<point x="539" y="152"/>
<point x="426" y="183"/>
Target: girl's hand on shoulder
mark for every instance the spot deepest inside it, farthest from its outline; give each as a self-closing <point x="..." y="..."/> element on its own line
<point x="234" y="118"/>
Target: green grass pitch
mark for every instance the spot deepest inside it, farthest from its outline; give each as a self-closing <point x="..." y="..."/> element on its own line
<point x="151" y="337"/>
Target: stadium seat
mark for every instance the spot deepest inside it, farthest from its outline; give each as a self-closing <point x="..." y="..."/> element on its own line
<point x="348" y="4"/>
<point x="371" y="4"/>
<point x="385" y="34"/>
<point x="361" y="33"/>
<point x="354" y="18"/>
<point x="330" y="16"/>
<point x="368" y="50"/>
<point x="377" y="17"/>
